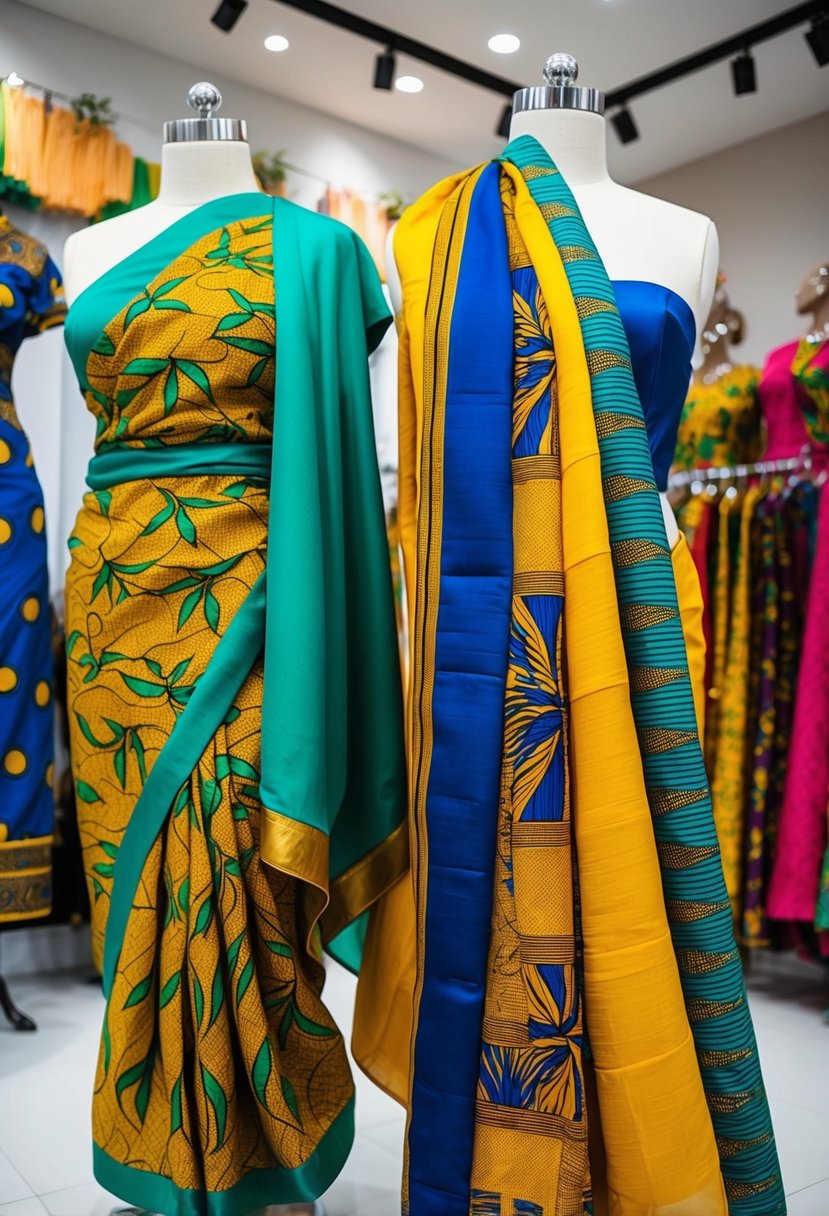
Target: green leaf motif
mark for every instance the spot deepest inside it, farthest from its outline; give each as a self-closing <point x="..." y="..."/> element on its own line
<point x="127" y="1079"/>
<point x="256" y="371"/>
<point x="188" y="606"/>
<point x="233" y="868"/>
<point x="233" y="952"/>
<point x="232" y="714"/>
<point x="182" y="798"/>
<point x="280" y="948"/>
<point x="142" y="1098"/>
<point x="86" y="731"/>
<point x="71" y="642"/>
<point x="254" y="346"/>
<point x="217" y="996"/>
<point x="139" y="992"/>
<point x="119" y="761"/>
<point x="237" y="490"/>
<point x="218" y="1101"/>
<point x="107" y="1044"/>
<point x="312" y="1028"/>
<point x="184" y="895"/>
<point x="135" y="310"/>
<point x="86" y="793"/>
<point x="169" y="990"/>
<point x="105" y="868"/>
<point x="211" y="795"/>
<point x="143" y="688"/>
<point x="211" y="610"/>
<point x="195" y="373"/>
<point x="261" y="1073"/>
<point x="240" y="301"/>
<point x="137" y="748"/>
<point x="232" y="321"/>
<point x="241" y="768"/>
<point x="285" y="1025"/>
<point x="104" y="345"/>
<point x="179" y="670"/>
<point x="244" y="981"/>
<point x="144" y="367"/>
<point x="204" y="917"/>
<point x="198" y="998"/>
<point x="240" y="811"/>
<point x="97" y="889"/>
<point x="185" y="526"/>
<point x="289" y="1094"/>
<point x="166" y="288"/>
<point x="104" y="498"/>
<point x="109" y="848"/>
<point x="170" y="389"/>
<point x="176" y="1114"/>
<point x="172" y="306"/>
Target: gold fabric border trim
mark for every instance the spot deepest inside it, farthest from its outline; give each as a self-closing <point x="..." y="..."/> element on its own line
<point x="541" y="582"/>
<point x="535" y="468"/>
<point x="538" y="1122"/>
<point x="548" y="949"/>
<point x="25" y="879"/>
<point x="364" y="882"/>
<point x="530" y="835"/>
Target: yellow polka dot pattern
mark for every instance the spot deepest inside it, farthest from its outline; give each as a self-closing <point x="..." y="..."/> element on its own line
<point x="43" y="694"/>
<point x="37" y="519"/>
<point x="5" y="452"/>
<point x="15" y="762"/>
<point x="30" y="608"/>
<point x="5" y="531"/>
<point x="8" y="679"/>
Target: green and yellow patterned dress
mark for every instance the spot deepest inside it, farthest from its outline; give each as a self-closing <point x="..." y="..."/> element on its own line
<point x="234" y="693"/>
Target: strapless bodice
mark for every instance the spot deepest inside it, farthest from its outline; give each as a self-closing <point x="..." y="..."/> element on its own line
<point x="661" y="332"/>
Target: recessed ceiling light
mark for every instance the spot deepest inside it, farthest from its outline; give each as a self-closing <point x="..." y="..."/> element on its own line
<point x="276" y="42"/>
<point x="408" y="84"/>
<point x="504" y="44"/>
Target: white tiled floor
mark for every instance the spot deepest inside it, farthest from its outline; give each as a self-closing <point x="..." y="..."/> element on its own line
<point x="45" y="1082"/>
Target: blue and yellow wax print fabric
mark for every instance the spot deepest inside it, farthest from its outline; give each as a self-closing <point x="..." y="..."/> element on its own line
<point x="30" y="302"/>
<point x="234" y="696"/>
<point x="581" y="1038"/>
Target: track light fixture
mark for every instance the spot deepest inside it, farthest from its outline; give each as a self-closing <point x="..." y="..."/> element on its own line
<point x="505" y="121"/>
<point x="625" y="126"/>
<point x="744" y="73"/>
<point x="228" y="13"/>
<point x="384" y="69"/>
<point x="818" y="39"/>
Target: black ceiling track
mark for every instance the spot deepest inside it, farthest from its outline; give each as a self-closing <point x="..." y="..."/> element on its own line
<point x="384" y="36"/>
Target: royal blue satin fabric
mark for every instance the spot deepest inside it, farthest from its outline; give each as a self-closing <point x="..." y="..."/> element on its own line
<point x="661" y="332"/>
<point x="468" y="714"/>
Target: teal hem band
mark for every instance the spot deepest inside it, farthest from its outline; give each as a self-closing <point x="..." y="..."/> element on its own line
<point x="114" y="464"/>
<point x="258" y="1189"/>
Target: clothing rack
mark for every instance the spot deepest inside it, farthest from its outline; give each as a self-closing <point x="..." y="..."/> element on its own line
<point x="15" y="81"/>
<point x="739" y="472"/>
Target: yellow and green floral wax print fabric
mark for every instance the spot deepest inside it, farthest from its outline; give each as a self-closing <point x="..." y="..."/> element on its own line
<point x="220" y="858"/>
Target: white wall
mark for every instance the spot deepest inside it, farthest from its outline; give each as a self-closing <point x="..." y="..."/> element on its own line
<point x="769" y="198"/>
<point x="146" y="89"/>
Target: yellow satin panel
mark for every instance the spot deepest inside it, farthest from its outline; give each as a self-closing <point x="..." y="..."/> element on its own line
<point x="661" y="1156"/>
<point x="383" y="1016"/>
<point x="691" y="609"/>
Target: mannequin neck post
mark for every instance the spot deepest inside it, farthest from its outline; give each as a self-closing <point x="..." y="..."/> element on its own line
<point x="194" y="172"/>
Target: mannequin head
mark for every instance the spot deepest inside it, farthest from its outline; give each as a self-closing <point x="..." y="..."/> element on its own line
<point x="813" y="291"/>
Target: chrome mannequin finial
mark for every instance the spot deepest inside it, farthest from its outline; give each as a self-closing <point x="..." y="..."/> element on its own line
<point x="560" y="91"/>
<point x="205" y="98"/>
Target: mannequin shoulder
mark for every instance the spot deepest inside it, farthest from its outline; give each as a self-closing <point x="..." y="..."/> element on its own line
<point x="92" y="251"/>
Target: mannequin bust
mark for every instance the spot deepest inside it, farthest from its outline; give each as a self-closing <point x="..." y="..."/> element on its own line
<point x="725" y="326"/>
<point x="202" y="159"/>
<point x="640" y="238"/>
<point x="813" y="299"/>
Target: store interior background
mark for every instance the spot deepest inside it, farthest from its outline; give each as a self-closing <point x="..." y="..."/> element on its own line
<point x="756" y="164"/>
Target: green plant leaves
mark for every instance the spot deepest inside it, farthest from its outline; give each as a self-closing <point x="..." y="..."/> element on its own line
<point x="198" y="998"/>
<point x="169" y="990"/>
<point x="104" y="345"/>
<point x="176" y="1113"/>
<point x="289" y="1094"/>
<point x="86" y="793"/>
<point x="140" y="992"/>
<point x="144" y="367"/>
<point x="195" y="373"/>
<point x="217" y="996"/>
<point x="244" y="981"/>
<point x="188" y="606"/>
<point x="218" y="1102"/>
<point x="170" y="389"/>
<point x="261" y="1073"/>
<point x="143" y="688"/>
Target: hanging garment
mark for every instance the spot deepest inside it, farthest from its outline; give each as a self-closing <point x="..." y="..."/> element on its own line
<point x="507" y="742"/>
<point x="802" y="837"/>
<point x="235" y="697"/>
<point x="729" y="770"/>
<point x="721" y="423"/>
<point x="30" y="302"/>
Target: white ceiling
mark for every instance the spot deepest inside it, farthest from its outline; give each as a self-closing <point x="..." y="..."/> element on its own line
<point x="614" y="40"/>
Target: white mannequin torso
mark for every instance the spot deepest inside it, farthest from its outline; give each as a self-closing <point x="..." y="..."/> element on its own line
<point x="639" y="237"/>
<point x="192" y="173"/>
